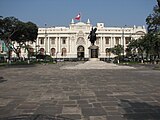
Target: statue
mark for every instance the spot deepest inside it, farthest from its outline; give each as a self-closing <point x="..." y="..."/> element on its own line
<point x="158" y="3"/>
<point x="92" y="36"/>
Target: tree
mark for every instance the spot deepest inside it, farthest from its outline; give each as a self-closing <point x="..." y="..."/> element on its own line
<point x="153" y="22"/>
<point x="150" y="43"/>
<point x="158" y="1"/>
<point x="27" y="33"/>
<point x="8" y="26"/>
<point x="14" y="30"/>
<point x="118" y="50"/>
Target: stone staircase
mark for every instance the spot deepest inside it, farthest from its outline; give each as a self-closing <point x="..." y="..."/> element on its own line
<point x="94" y="64"/>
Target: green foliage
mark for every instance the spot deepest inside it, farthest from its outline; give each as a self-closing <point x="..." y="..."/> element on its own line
<point x="150" y="43"/>
<point x="12" y="29"/>
<point x="153" y="20"/>
<point x="152" y="39"/>
<point x="8" y="26"/>
<point x="117" y="50"/>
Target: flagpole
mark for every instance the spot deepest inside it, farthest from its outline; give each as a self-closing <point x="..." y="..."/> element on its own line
<point x="80" y="16"/>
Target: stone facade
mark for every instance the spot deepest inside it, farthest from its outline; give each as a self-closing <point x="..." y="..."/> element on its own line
<point x="72" y="42"/>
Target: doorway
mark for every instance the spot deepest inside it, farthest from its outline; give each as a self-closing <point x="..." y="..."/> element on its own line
<point x="80" y="52"/>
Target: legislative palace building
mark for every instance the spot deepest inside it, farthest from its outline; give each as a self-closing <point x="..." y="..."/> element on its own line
<point x="72" y="42"/>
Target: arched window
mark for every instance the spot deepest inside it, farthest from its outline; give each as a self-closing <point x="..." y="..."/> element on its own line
<point x="41" y="40"/>
<point x="64" y="52"/>
<point x="42" y="51"/>
<point x="53" y="51"/>
<point x="108" y="51"/>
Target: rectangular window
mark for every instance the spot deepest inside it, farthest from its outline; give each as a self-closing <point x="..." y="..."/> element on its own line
<point x="107" y="40"/>
<point x="117" y="40"/>
<point x="52" y="40"/>
<point x="41" y="40"/>
<point x="128" y="39"/>
<point x="64" y="40"/>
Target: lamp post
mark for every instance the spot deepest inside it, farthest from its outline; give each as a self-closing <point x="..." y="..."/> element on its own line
<point x="45" y="41"/>
<point x="123" y="38"/>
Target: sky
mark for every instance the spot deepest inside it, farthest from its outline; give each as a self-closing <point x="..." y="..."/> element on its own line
<point x="60" y="12"/>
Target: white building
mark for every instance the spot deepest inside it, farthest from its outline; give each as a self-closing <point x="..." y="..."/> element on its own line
<point x="72" y="42"/>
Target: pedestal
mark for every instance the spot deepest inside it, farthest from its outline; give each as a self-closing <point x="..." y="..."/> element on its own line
<point x="93" y="52"/>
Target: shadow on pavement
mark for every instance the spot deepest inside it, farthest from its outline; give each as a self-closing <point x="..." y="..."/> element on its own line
<point x="2" y="79"/>
<point x="20" y="66"/>
<point x="140" y="110"/>
<point x="35" y="117"/>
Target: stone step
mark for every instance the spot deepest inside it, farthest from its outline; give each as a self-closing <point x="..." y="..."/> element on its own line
<point x="93" y="64"/>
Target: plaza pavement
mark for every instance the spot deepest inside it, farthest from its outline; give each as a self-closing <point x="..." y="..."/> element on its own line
<point x="64" y="90"/>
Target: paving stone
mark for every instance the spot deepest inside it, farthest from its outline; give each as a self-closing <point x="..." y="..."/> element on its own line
<point x="113" y="113"/>
<point x="66" y="102"/>
<point x="72" y="116"/>
<point x="111" y="109"/>
<point x="82" y="102"/>
<point x="87" y="97"/>
<point x="106" y="98"/>
<point x="4" y="102"/>
<point x="86" y="105"/>
<point x="93" y="111"/>
<point x="115" y="118"/>
<point x="109" y="104"/>
<point x="71" y="110"/>
<point x="49" y="110"/>
<point x="138" y="116"/>
<point x="74" y="97"/>
<point x="97" y="117"/>
<point x="52" y="104"/>
<point x="4" y="112"/>
<point x="27" y="106"/>
<point x="97" y="105"/>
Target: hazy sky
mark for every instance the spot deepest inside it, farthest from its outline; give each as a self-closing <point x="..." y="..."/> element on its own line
<point x="60" y="12"/>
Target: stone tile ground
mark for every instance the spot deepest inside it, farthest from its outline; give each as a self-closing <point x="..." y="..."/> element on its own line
<point x="123" y="94"/>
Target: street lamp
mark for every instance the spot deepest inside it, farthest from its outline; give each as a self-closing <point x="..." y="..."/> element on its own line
<point x="123" y="38"/>
<point x="45" y="41"/>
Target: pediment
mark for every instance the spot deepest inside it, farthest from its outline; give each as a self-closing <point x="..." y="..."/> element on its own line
<point x="80" y="23"/>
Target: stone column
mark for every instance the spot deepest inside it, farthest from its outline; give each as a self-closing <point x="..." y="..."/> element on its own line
<point x="101" y="42"/>
<point x="48" y="45"/>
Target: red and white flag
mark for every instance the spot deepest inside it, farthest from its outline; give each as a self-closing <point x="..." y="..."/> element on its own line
<point x="78" y="17"/>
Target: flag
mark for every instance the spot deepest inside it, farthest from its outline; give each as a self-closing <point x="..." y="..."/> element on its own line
<point x="78" y="17"/>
